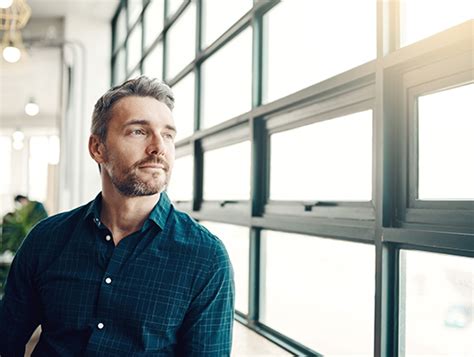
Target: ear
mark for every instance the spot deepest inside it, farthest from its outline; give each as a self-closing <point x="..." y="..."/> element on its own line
<point x="97" y="149"/>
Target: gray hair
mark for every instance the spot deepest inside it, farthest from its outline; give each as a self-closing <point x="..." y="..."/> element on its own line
<point x="139" y="87"/>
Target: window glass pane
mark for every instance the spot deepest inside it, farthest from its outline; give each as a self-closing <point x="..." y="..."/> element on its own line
<point x="134" y="47"/>
<point x="153" y="63"/>
<point x="119" y="67"/>
<point x="436" y="304"/>
<point x="183" y="111"/>
<point x="227" y="173"/>
<point x="5" y="164"/>
<point x="446" y="145"/>
<point x="54" y="147"/>
<point x="120" y="29"/>
<point x="134" y="9"/>
<point x="38" y="168"/>
<point x="423" y="18"/>
<point x="181" y="42"/>
<point x="236" y="241"/>
<point x="320" y="292"/>
<point x="309" y="41"/>
<point x="180" y="187"/>
<point x="220" y="15"/>
<point x="173" y="6"/>
<point x="329" y="160"/>
<point x="153" y="21"/>
<point x="134" y="74"/>
<point x="226" y="96"/>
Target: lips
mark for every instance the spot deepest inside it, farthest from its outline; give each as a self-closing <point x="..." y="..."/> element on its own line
<point x="152" y="164"/>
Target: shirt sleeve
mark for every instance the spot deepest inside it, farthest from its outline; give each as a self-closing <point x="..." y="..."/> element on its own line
<point x="19" y="311"/>
<point x="207" y="327"/>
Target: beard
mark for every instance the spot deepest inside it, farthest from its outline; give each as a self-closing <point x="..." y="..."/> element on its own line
<point x="130" y="184"/>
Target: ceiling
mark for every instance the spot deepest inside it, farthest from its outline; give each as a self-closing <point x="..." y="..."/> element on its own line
<point x="38" y="74"/>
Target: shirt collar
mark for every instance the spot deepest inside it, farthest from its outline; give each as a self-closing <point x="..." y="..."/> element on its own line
<point x="158" y="215"/>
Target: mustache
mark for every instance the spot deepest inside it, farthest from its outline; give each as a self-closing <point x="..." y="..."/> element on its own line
<point x="152" y="160"/>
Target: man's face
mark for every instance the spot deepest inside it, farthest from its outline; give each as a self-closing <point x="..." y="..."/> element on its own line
<point x="139" y="148"/>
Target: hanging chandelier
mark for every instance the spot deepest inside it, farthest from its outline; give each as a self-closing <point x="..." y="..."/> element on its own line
<point x="14" y="15"/>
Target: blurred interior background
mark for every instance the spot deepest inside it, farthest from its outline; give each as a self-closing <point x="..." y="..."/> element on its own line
<point x="328" y="143"/>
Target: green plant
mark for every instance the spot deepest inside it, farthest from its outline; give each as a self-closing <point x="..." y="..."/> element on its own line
<point x="14" y="228"/>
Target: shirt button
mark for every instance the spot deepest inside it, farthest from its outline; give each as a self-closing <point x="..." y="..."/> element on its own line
<point x="100" y="325"/>
<point x="108" y="237"/>
<point x="108" y="280"/>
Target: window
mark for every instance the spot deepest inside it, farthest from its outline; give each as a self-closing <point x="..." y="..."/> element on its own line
<point x="227" y="81"/>
<point x="173" y="6"/>
<point x="329" y="160"/>
<point x="5" y="163"/>
<point x="181" y="42"/>
<point x="319" y="291"/>
<point x="153" y="63"/>
<point x="120" y="29"/>
<point x="119" y="68"/>
<point x="302" y="53"/>
<point x="227" y="173"/>
<point x="134" y="10"/>
<point x="436" y="304"/>
<point x="183" y="111"/>
<point x="236" y="242"/>
<point x="153" y="21"/>
<point x="220" y="15"/>
<point x="445" y="145"/>
<point x="38" y="168"/>
<point x="134" y="47"/>
<point x="423" y="18"/>
<point x="181" y="184"/>
<point x="328" y="155"/>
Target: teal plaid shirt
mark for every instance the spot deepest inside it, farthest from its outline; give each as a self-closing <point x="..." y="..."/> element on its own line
<point x="164" y="290"/>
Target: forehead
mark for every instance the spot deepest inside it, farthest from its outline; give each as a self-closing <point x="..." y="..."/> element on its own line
<point x="147" y="108"/>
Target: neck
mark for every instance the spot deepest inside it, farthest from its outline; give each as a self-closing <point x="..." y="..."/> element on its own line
<point x="124" y="215"/>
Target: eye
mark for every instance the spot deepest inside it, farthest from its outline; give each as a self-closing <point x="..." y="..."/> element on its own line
<point x="138" y="132"/>
<point x="168" y="136"/>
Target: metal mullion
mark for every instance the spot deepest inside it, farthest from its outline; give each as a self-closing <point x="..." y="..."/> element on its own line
<point x="260" y="166"/>
<point x="235" y="217"/>
<point x="461" y="242"/>
<point x="386" y="256"/>
<point x="356" y="77"/>
<point x="163" y="36"/>
<point x="386" y="298"/>
<point x="353" y="231"/>
<point x="280" y="339"/>
<point x="255" y="278"/>
<point x="198" y="175"/>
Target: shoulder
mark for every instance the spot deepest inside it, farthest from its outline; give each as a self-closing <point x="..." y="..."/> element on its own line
<point x="198" y="238"/>
<point x="50" y="233"/>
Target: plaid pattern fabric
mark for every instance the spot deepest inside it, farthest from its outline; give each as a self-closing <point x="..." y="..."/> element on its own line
<point x="164" y="290"/>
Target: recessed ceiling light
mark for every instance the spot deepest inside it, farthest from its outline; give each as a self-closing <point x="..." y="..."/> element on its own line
<point x="11" y="54"/>
<point x="4" y="4"/>
<point x="31" y="108"/>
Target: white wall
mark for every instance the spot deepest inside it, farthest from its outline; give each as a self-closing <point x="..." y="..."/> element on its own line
<point x="88" y="39"/>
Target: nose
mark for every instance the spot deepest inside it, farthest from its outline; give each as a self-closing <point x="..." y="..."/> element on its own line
<point x="156" y="146"/>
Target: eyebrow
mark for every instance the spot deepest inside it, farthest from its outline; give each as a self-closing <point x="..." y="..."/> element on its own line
<point x="147" y="122"/>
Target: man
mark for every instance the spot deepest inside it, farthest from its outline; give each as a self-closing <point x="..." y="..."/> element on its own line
<point x="126" y="274"/>
<point x="36" y="211"/>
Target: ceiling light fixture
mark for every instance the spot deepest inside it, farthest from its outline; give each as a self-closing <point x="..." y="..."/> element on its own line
<point x="14" y="14"/>
<point x="32" y="108"/>
<point x="5" y="4"/>
<point x="11" y="54"/>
